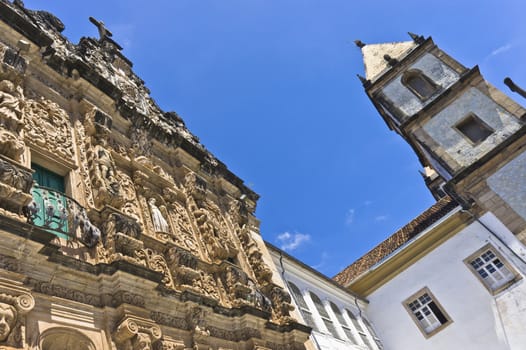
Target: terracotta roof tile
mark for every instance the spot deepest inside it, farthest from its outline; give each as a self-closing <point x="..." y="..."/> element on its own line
<point x="395" y="241"/>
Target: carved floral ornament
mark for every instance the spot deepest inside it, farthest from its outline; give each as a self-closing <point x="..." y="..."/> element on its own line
<point x="48" y="127"/>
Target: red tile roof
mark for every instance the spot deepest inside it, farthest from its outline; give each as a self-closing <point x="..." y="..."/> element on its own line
<point x="399" y="238"/>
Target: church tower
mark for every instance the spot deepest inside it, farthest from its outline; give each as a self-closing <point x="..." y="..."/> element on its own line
<point x="467" y="134"/>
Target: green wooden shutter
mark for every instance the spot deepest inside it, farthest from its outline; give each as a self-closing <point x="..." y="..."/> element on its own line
<point x="50" y="194"/>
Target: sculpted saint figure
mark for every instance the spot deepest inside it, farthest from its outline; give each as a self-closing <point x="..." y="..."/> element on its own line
<point x="7" y="320"/>
<point x="159" y="222"/>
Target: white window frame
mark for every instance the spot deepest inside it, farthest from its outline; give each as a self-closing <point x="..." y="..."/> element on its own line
<point x="342" y="322"/>
<point x="491" y="269"/>
<point x="305" y="312"/>
<point x="325" y="319"/>
<point x="420" y="307"/>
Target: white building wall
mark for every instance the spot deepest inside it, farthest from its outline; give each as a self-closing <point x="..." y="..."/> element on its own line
<point x="308" y="282"/>
<point x="480" y="320"/>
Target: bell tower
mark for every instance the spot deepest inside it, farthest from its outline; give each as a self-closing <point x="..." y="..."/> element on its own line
<point x="467" y="134"/>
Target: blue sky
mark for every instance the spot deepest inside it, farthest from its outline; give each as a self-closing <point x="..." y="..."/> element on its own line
<point x="270" y="87"/>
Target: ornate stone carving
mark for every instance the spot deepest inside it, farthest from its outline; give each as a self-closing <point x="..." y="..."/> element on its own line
<point x="15" y="185"/>
<point x="236" y="285"/>
<point x="183" y="235"/>
<point x="136" y="334"/>
<point x="13" y="309"/>
<point x="171" y="321"/>
<point x="124" y="297"/>
<point x="141" y="144"/>
<point x="187" y="274"/>
<point x="213" y="230"/>
<point x="106" y="185"/>
<point x="9" y="263"/>
<point x="64" y="292"/>
<point x="11" y="146"/>
<point x="197" y="320"/>
<point x="170" y="344"/>
<point x="156" y="262"/>
<point x="81" y="141"/>
<point x="11" y="104"/>
<point x="48" y="127"/>
<point x="281" y="305"/>
<point x="130" y="206"/>
<point x="121" y="237"/>
<point x="234" y="335"/>
<point x="253" y="253"/>
<point x="11" y="120"/>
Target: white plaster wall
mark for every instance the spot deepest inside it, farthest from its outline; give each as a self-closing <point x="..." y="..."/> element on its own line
<point x="480" y="320"/>
<point x="440" y="73"/>
<point x="308" y="282"/>
<point x="510" y="184"/>
<point x="442" y="126"/>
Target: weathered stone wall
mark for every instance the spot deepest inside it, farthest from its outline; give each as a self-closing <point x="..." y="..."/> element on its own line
<point x="509" y="183"/>
<point x="406" y="101"/>
<point x="441" y="128"/>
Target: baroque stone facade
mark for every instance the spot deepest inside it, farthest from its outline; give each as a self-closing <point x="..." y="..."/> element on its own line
<point x="121" y="230"/>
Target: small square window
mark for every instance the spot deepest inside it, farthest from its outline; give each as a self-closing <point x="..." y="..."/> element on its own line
<point x="427" y="313"/>
<point x="474" y="129"/>
<point x="491" y="269"/>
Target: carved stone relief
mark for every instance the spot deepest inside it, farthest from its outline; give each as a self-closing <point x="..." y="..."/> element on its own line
<point x="106" y="186"/>
<point x="183" y="234"/>
<point x="48" y="127"/>
<point x="11" y="120"/>
<point x="13" y="308"/>
<point x="60" y="291"/>
<point x="156" y="262"/>
<point x="135" y="333"/>
<point x="15" y="185"/>
<point x="281" y="305"/>
<point x="170" y="344"/>
<point x="81" y="141"/>
<point x="213" y="229"/>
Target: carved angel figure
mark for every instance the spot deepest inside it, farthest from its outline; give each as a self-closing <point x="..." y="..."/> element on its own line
<point x="159" y="222"/>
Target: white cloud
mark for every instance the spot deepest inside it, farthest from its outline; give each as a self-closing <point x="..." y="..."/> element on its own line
<point x="290" y="241"/>
<point x="501" y="49"/>
<point x="323" y="260"/>
<point x="349" y="217"/>
<point x="380" y="218"/>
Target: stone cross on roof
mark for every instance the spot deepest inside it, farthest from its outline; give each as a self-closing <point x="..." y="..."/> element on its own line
<point x="104" y="32"/>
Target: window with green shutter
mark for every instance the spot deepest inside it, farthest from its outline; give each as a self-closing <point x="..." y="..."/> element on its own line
<point x="49" y="203"/>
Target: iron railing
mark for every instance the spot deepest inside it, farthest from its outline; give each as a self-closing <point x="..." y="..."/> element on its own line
<point x="61" y="215"/>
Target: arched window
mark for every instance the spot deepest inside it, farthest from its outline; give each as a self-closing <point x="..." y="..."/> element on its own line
<point x="358" y="327"/>
<point x="346" y="329"/>
<point x="64" y="339"/>
<point x="304" y="308"/>
<point x="419" y="84"/>
<point x="372" y="332"/>
<point x="324" y="315"/>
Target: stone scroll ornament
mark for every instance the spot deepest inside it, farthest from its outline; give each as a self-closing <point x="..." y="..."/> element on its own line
<point x="13" y="309"/>
<point x="135" y="333"/>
